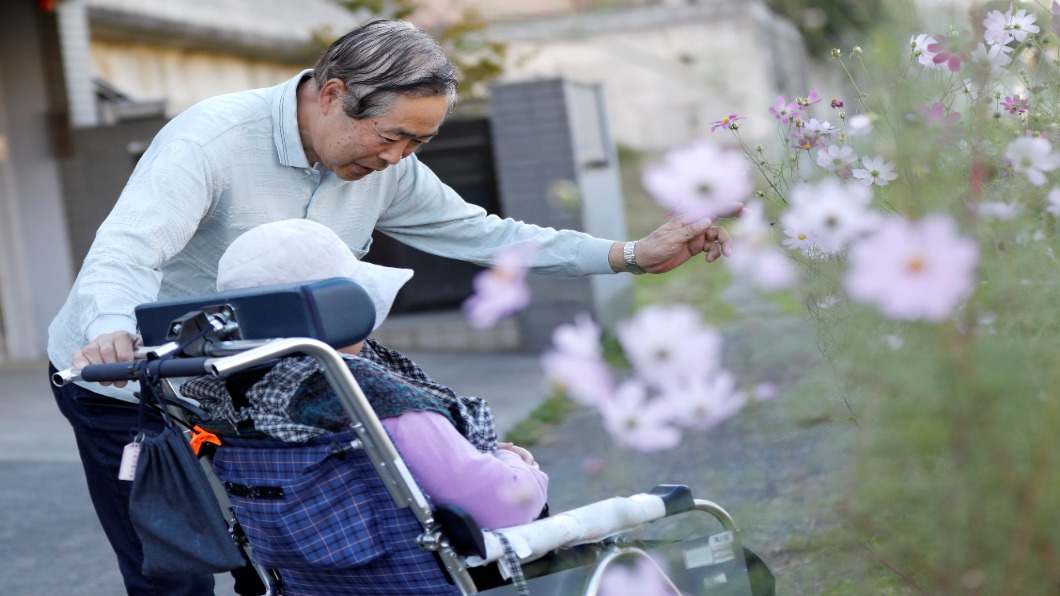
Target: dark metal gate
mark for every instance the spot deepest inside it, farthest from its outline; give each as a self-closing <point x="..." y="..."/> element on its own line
<point x="462" y="156"/>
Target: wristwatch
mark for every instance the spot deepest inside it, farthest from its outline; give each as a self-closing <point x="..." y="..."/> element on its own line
<point x="631" y="261"/>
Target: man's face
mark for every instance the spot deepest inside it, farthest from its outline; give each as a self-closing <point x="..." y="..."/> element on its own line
<point x="355" y="148"/>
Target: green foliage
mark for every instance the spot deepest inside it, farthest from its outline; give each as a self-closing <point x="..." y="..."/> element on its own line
<point x="530" y="430"/>
<point x="478" y="59"/>
<point x="955" y="483"/>
<point x="830" y="23"/>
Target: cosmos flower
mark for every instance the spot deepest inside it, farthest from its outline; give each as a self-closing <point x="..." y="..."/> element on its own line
<point x="951" y="50"/>
<point x="876" y="171"/>
<point x="805" y="102"/>
<point x="1015" y="104"/>
<point x="726" y="122"/>
<point x="703" y="402"/>
<point x="700" y="180"/>
<point x="1032" y="157"/>
<point x="784" y="111"/>
<point x="760" y="262"/>
<point x="502" y="289"/>
<point x="913" y="271"/>
<point x="836" y="157"/>
<point x="575" y="363"/>
<point x="797" y="240"/>
<point x="668" y="343"/>
<point x="920" y="51"/>
<point x="1054" y="200"/>
<point x="999" y="211"/>
<point x="832" y="212"/>
<point x="637" y="422"/>
<point x="860" y="124"/>
<point x="1001" y="28"/>
<point x="990" y="61"/>
<point x="640" y="579"/>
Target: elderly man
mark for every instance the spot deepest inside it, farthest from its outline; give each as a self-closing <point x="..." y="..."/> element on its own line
<point x="335" y="145"/>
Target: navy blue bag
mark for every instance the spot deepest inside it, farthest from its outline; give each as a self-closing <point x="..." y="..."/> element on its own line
<point x="174" y="511"/>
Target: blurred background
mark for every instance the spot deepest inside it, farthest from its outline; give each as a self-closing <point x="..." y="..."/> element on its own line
<point x="85" y="84"/>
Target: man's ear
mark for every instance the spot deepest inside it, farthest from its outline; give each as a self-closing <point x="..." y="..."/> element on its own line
<point x="332" y="91"/>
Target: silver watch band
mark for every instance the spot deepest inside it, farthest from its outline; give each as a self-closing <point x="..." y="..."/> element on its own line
<point x="631" y="261"/>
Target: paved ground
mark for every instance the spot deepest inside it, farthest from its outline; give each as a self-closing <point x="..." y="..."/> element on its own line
<point x="771" y="467"/>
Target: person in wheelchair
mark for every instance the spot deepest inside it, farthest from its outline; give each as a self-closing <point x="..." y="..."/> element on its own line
<point x="292" y="401"/>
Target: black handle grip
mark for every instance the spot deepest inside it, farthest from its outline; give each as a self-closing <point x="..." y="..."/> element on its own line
<point x="120" y="371"/>
<point x="126" y="371"/>
<point x="178" y="367"/>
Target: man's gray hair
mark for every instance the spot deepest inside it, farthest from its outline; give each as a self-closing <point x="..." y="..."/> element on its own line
<point x="382" y="60"/>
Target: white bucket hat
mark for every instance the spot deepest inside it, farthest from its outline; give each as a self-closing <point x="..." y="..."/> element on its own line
<point x="299" y="250"/>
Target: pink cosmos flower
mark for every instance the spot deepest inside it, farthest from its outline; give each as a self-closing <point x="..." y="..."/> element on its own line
<point x="876" y="171"/>
<point x="1032" y="157"/>
<point x="805" y="140"/>
<point x="998" y="210"/>
<point x="832" y="212"/>
<point x="760" y="262"/>
<point x="860" y="124"/>
<point x="668" y="343"/>
<point x="913" y="271"/>
<point x="726" y="122"/>
<point x="784" y="111"/>
<point x="700" y="180"/>
<point x="701" y="403"/>
<point x="836" y="157"/>
<point x="936" y="114"/>
<point x="1015" y="104"/>
<point x="1054" y="196"/>
<point x="805" y="102"/>
<point x="765" y="391"/>
<point x="643" y="578"/>
<point x="1001" y="28"/>
<point x="941" y="123"/>
<point x="637" y="422"/>
<point x="951" y="50"/>
<point x="501" y="290"/>
<point x="575" y="363"/>
<point x="837" y="103"/>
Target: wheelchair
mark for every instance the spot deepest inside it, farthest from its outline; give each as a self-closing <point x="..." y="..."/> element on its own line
<point x="342" y="514"/>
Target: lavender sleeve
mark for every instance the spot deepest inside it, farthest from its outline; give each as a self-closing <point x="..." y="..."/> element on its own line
<point x="498" y="489"/>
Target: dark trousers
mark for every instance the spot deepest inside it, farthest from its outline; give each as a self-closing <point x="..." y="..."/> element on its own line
<point x="102" y="427"/>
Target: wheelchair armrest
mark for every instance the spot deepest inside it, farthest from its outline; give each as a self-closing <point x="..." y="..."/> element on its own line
<point x="463" y="533"/>
<point x="595" y="522"/>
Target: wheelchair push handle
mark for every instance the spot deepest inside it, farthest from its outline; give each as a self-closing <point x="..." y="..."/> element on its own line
<point x="130" y="371"/>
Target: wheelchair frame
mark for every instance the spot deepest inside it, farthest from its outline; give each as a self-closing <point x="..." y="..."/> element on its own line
<point x="594" y="523"/>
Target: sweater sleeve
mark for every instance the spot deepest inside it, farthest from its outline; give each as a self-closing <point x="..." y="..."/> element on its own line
<point x="497" y="489"/>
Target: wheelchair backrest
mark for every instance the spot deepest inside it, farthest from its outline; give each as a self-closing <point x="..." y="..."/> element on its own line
<point x="336" y="311"/>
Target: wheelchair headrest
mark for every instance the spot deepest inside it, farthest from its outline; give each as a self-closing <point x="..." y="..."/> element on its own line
<point x="336" y="311"/>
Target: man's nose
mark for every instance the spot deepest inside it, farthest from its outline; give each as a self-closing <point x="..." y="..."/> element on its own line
<point x="393" y="153"/>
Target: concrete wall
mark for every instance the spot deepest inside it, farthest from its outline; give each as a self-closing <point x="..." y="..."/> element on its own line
<point x="537" y="145"/>
<point x="667" y="71"/>
<point x="34" y="252"/>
